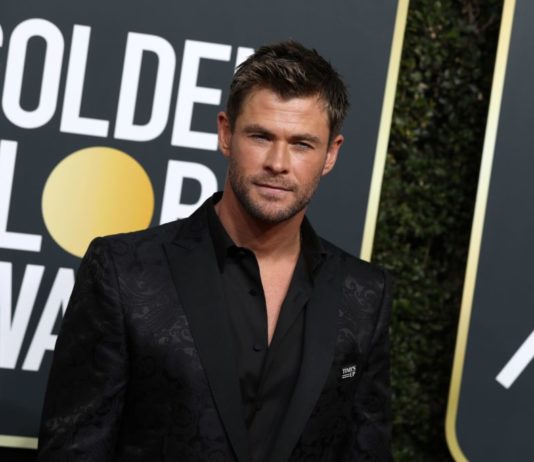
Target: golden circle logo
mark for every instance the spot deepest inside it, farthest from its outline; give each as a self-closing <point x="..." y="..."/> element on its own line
<point x="94" y="192"/>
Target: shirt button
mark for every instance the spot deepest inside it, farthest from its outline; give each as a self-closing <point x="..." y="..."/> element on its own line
<point x="253" y="292"/>
<point x="257" y="347"/>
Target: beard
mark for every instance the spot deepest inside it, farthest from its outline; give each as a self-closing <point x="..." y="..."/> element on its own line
<point x="269" y="209"/>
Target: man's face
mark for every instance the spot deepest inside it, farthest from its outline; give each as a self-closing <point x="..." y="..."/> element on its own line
<point x="277" y="153"/>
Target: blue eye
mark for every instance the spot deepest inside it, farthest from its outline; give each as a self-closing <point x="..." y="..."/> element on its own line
<point x="260" y="137"/>
<point x="303" y="145"/>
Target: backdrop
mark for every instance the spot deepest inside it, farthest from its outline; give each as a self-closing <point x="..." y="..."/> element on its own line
<point x="107" y="124"/>
<point x="491" y="410"/>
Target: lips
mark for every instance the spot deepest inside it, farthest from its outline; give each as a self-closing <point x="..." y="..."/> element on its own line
<point x="275" y="187"/>
<point x="273" y="184"/>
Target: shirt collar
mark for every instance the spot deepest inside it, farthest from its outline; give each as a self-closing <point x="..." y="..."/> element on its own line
<point x="220" y="238"/>
<point x="311" y="246"/>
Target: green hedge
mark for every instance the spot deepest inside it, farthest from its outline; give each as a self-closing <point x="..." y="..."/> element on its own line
<point x="427" y="205"/>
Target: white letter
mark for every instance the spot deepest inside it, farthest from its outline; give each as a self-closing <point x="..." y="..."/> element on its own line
<point x="15" y="70"/>
<point x="177" y="170"/>
<point x="44" y="340"/>
<point x="242" y="54"/>
<point x="1" y="36"/>
<point x="71" y="121"/>
<point x="135" y="46"/>
<point x="8" y="239"/>
<point x="189" y="94"/>
<point x="13" y="329"/>
<point x="518" y="363"/>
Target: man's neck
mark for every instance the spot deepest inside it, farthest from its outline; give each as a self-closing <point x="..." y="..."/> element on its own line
<point x="266" y="240"/>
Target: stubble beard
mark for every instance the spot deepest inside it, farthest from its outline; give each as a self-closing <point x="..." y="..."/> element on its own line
<point x="269" y="211"/>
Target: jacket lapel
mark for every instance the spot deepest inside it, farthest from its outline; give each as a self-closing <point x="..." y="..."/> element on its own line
<point x="197" y="278"/>
<point x="319" y="344"/>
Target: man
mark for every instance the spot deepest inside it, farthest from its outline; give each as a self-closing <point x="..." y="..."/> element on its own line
<point x="236" y="334"/>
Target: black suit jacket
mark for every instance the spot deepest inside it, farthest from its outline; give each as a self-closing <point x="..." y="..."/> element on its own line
<point x="143" y="371"/>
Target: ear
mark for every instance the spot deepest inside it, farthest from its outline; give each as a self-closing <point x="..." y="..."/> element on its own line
<point x="331" y="154"/>
<point x="224" y="133"/>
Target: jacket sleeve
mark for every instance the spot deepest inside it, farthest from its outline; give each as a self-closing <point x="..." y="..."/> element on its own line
<point x="89" y="374"/>
<point x="373" y="398"/>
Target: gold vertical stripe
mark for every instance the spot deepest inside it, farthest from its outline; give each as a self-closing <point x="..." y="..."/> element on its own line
<point x="18" y="442"/>
<point x="477" y="227"/>
<point x="383" y="131"/>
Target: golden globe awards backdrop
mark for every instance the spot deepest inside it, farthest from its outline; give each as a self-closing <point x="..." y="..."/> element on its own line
<point x="108" y="124"/>
<point x="491" y="406"/>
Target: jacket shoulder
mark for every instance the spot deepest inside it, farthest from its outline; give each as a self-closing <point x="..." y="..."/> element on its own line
<point x="139" y="247"/>
<point x="352" y="264"/>
<point x="157" y="234"/>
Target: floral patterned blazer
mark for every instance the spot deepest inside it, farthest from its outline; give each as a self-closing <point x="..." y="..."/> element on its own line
<point x="142" y="370"/>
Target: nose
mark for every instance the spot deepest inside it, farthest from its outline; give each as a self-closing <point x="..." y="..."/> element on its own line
<point x="277" y="158"/>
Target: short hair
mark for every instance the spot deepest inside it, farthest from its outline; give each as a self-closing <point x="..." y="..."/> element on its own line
<point x="290" y="70"/>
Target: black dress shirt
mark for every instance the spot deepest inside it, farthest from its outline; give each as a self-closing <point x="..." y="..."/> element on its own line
<point x="267" y="373"/>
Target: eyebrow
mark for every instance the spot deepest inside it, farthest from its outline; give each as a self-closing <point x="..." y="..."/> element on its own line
<point x="256" y="128"/>
<point x="307" y="137"/>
